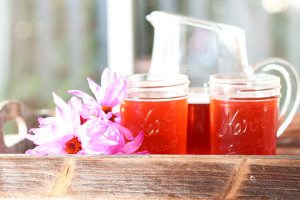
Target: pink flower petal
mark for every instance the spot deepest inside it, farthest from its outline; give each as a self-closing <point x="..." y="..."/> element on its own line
<point x="75" y="110"/>
<point x="101" y="145"/>
<point x="85" y="97"/>
<point x="113" y="88"/>
<point x="34" y="152"/>
<point x="95" y="88"/>
<point x="59" y="102"/>
<point x="46" y="121"/>
<point x="142" y="152"/>
<point x="131" y="147"/>
<point x="52" y="148"/>
<point x="105" y="81"/>
<point x="127" y="133"/>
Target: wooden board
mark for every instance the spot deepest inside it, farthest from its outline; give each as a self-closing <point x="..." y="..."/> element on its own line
<point x="151" y="177"/>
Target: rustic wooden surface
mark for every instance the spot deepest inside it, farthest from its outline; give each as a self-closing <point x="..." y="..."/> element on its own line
<point x="151" y="177"/>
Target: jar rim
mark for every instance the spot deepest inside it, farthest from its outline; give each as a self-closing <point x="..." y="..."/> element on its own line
<point x="239" y="85"/>
<point x="157" y="86"/>
<point x="243" y="79"/>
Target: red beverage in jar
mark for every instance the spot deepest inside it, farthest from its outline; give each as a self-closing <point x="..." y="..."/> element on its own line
<point x="198" y="126"/>
<point x="164" y="123"/>
<point x="244" y="113"/>
<point x="244" y="126"/>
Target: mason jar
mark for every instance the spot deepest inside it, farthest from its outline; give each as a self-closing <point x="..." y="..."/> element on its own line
<point x="157" y="106"/>
<point x="244" y="115"/>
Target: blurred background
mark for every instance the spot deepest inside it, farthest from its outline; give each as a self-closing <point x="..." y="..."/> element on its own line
<point x="52" y="45"/>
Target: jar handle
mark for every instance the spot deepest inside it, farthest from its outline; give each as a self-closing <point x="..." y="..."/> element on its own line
<point x="290" y="90"/>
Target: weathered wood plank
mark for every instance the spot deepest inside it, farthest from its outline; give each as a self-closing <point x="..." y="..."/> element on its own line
<point x="151" y="177"/>
<point x="22" y="176"/>
<point x="269" y="179"/>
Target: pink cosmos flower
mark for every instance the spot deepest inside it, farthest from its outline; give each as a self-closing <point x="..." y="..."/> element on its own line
<point x="91" y="127"/>
<point x="108" y="96"/>
<point x="104" y="110"/>
<point x="64" y="133"/>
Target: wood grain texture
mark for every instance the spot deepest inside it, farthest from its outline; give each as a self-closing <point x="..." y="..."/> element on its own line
<point x="22" y="176"/>
<point x="151" y="177"/>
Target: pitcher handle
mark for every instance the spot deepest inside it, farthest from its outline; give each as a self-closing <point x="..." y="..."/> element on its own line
<point x="289" y="82"/>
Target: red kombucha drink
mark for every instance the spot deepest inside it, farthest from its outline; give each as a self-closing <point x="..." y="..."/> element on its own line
<point x="244" y="126"/>
<point x="163" y="122"/>
<point x="198" y="125"/>
<point x="244" y="113"/>
<point x="157" y="105"/>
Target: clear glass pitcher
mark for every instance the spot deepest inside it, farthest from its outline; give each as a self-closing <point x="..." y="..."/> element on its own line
<point x="199" y="49"/>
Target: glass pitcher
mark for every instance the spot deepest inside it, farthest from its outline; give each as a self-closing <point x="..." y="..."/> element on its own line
<point x="199" y="49"/>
